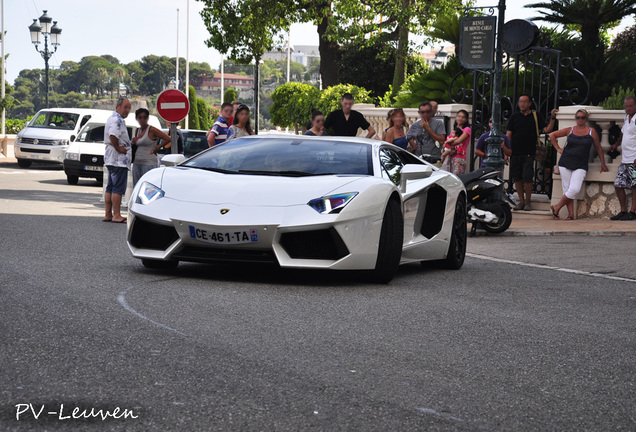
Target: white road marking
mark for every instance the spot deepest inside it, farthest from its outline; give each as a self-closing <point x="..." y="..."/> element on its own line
<point x="547" y="267"/>
<point x="173" y="105"/>
<point x="121" y="298"/>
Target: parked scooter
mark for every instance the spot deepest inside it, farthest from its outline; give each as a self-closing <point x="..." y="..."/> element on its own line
<point x="488" y="206"/>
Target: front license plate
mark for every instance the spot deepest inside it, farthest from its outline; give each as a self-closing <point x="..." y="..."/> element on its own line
<point x="93" y="168"/>
<point x="224" y="237"/>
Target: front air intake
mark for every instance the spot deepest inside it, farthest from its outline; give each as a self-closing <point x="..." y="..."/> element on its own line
<point x="323" y="244"/>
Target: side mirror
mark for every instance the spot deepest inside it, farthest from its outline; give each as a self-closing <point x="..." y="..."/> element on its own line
<point x="414" y="172"/>
<point x="172" y="159"/>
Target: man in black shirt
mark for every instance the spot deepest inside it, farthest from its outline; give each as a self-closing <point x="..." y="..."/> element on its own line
<point x="346" y="122"/>
<point x="522" y="133"/>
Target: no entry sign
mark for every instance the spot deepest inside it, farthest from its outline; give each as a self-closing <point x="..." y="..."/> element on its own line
<point x="173" y="105"/>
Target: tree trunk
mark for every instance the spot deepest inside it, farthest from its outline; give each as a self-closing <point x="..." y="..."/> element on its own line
<point x="592" y="55"/>
<point x="400" y="60"/>
<point x="329" y="52"/>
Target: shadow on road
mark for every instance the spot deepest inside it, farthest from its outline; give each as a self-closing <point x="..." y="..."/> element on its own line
<point x="260" y="274"/>
<point x="34" y="167"/>
<point x="82" y="182"/>
<point x="49" y="196"/>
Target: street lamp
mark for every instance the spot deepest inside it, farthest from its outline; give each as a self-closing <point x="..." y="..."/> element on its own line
<point x="494" y="159"/>
<point x="43" y="26"/>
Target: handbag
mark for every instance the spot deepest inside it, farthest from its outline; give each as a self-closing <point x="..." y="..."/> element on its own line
<point x="541" y="151"/>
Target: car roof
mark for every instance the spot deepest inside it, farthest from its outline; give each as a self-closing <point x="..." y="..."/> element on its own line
<point x="81" y="111"/>
<point x="357" y="140"/>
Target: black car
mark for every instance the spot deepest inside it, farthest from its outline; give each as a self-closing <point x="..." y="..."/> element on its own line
<point x="190" y="142"/>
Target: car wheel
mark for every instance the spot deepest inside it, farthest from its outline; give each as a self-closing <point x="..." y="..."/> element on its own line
<point x="390" y="246"/>
<point x="504" y="214"/>
<point x="72" y="180"/>
<point x="158" y="264"/>
<point x="24" y="163"/>
<point x="457" y="245"/>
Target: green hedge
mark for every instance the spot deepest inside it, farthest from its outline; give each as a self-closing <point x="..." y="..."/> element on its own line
<point x="293" y="102"/>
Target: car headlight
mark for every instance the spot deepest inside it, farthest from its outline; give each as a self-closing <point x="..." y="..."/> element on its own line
<point x="18" y="139"/>
<point x="72" y="156"/>
<point x="332" y="203"/>
<point x="62" y="142"/>
<point x="148" y="193"/>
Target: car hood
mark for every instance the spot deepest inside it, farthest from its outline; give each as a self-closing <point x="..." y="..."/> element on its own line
<point x="41" y="133"/>
<point x="200" y="186"/>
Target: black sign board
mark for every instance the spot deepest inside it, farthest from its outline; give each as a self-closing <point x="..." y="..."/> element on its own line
<point x="477" y="42"/>
<point x="519" y="36"/>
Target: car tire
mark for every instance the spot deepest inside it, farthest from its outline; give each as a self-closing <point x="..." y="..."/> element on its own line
<point x="457" y="245"/>
<point x="390" y="245"/>
<point x="505" y="218"/>
<point x="24" y="163"/>
<point x="72" y="180"/>
<point x="159" y="264"/>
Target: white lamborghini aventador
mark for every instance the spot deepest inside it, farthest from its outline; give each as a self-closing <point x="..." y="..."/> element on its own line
<point x="299" y="201"/>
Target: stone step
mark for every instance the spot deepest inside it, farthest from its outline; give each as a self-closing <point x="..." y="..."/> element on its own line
<point x="532" y="214"/>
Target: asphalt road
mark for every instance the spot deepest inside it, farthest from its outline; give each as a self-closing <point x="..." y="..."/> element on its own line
<point x="495" y="346"/>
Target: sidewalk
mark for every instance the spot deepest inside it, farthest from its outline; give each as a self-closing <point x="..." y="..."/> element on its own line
<point x="540" y="226"/>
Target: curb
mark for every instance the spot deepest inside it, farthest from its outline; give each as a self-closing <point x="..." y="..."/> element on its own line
<point x="590" y="233"/>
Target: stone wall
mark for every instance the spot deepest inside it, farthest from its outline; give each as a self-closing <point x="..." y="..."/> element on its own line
<point x="599" y="201"/>
<point x="109" y="104"/>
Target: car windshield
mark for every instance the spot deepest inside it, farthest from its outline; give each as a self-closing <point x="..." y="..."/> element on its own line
<point x="54" y="120"/>
<point x="298" y="157"/>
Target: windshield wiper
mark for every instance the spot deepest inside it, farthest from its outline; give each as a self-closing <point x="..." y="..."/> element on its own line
<point x="283" y="173"/>
<point x="219" y="170"/>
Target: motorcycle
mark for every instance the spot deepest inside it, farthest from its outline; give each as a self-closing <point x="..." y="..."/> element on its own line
<point x="488" y="206"/>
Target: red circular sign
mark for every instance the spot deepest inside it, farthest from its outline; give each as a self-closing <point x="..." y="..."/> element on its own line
<point x="173" y="105"/>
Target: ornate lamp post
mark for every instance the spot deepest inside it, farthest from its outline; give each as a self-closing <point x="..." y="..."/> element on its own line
<point x="44" y="28"/>
<point x="494" y="159"/>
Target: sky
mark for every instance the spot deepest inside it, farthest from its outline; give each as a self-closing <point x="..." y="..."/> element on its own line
<point x="131" y="29"/>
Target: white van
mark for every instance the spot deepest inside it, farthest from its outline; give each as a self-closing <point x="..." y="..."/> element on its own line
<point x="85" y="156"/>
<point x="47" y="136"/>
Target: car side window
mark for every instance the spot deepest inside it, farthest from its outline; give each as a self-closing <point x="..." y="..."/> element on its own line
<point x="392" y="164"/>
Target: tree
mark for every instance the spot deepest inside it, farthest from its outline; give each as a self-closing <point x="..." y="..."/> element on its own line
<point x="204" y="115"/>
<point x="331" y="96"/>
<point x="591" y="18"/>
<point x="433" y="85"/>
<point x="230" y="95"/>
<point x="625" y="41"/>
<point x="118" y="72"/>
<point x="193" y="115"/>
<point x="246" y="33"/>
<point x="387" y="21"/>
<point x="292" y="104"/>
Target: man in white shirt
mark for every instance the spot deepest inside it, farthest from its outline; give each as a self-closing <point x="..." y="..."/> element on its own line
<point x="117" y="158"/>
<point x="626" y="175"/>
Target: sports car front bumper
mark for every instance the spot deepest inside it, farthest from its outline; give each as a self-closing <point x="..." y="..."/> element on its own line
<point x="292" y="236"/>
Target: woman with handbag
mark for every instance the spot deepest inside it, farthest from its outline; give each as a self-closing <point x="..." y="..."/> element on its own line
<point x="573" y="164"/>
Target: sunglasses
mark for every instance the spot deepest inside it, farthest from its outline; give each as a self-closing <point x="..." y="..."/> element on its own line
<point x="425" y="111"/>
<point x="581" y="118"/>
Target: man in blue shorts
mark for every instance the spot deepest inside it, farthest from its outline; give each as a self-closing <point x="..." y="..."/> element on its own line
<point x="117" y="157"/>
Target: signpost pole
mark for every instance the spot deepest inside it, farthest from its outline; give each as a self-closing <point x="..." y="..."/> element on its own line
<point x="173" y="138"/>
<point x="494" y="159"/>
